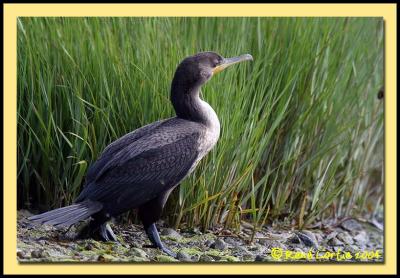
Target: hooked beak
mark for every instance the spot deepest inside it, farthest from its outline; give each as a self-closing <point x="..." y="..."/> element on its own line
<point x="231" y="61"/>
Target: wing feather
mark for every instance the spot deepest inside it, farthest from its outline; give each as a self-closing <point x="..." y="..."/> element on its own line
<point x="143" y="168"/>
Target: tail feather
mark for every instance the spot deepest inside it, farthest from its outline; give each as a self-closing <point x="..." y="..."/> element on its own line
<point x="60" y="219"/>
<point x="67" y="216"/>
<point x="56" y="212"/>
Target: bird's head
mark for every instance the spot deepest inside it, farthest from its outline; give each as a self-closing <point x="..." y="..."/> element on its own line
<point x="196" y="70"/>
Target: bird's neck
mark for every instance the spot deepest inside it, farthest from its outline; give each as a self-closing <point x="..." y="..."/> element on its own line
<point x="188" y="105"/>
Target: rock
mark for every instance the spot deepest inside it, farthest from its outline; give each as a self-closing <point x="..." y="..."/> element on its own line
<point x="89" y="246"/>
<point x="21" y="254"/>
<point x="361" y="238"/>
<point x="337" y="248"/>
<point x="351" y="225"/>
<point x="39" y="254"/>
<point x="248" y="257"/>
<point x="346" y="238"/>
<point x="136" y="252"/>
<point x="104" y="258"/>
<point x="265" y="241"/>
<point x="294" y="239"/>
<point x="171" y="233"/>
<point x="252" y="248"/>
<point x="137" y="259"/>
<point x="318" y="237"/>
<point x="165" y="259"/>
<point x="331" y="235"/>
<point x="135" y="245"/>
<point x="183" y="257"/>
<point x="335" y="242"/>
<point x="205" y="258"/>
<point x="352" y="248"/>
<point x="219" y="244"/>
<point x="230" y="259"/>
<point x="216" y="257"/>
<point x="259" y="258"/>
<point x="208" y="243"/>
<point x="232" y="241"/>
<point x="195" y="258"/>
<point x="307" y="238"/>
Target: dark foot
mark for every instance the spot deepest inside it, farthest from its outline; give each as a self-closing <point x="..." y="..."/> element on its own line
<point x="154" y="237"/>
<point x="107" y="234"/>
<point x="163" y="248"/>
<point x="102" y="233"/>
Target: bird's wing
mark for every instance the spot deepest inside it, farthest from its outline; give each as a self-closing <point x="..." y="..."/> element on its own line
<point x="117" y="145"/>
<point x="134" y="177"/>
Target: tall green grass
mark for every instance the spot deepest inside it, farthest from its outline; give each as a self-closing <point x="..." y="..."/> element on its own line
<point x="302" y="128"/>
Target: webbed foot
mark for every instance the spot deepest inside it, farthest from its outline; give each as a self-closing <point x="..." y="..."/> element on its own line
<point x="154" y="237"/>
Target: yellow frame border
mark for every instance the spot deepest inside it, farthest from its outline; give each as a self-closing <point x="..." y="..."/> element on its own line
<point x="12" y="11"/>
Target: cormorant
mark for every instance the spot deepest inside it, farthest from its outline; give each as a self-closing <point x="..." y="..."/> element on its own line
<point x="140" y="169"/>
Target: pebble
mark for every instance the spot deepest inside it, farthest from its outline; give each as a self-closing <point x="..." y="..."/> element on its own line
<point x="183" y="257"/>
<point x="331" y="235"/>
<point x="39" y="254"/>
<point x="195" y="258"/>
<point x="208" y="242"/>
<point x="307" y="238"/>
<point x="351" y="225"/>
<point x="21" y="254"/>
<point x="206" y="258"/>
<point x="105" y="258"/>
<point x="346" y="238"/>
<point x="294" y="239"/>
<point x="232" y="241"/>
<point x="219" y="244"/>
<point x="361" y="238"/>
<point x="259" y="258"/>
<point x="171" y="233"/>
<point x="248" y="257"/>
<point x="335" y="242"/>
<point x="352" y="248"/>
<point x="136" y="252"/>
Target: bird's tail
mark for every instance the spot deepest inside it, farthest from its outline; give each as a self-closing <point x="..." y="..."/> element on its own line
<point x="67" y="216"/>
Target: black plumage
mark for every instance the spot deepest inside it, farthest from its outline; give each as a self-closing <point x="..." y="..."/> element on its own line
<point x="140" y="169"/>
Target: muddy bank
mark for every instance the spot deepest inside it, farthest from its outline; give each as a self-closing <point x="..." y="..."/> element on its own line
<point x="348" y="241"/>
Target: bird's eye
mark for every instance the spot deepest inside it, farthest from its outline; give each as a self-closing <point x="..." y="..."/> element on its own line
<point x="216" y="63"/>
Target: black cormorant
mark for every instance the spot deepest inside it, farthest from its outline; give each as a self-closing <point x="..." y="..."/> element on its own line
<point x="140" y="169"/>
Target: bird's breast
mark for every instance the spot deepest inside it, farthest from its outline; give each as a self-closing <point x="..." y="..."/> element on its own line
<point x="211" y="131"/>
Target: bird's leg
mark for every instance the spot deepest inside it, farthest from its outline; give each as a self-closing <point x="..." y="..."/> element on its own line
<point x="98" y="229"/>
<point x="154" y="237"/>
<point x="149" y="213"/>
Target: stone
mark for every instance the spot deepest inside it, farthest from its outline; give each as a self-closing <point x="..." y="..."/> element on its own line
<point x="361" y="238"/>
<point x="346" y="238"/>
<point x="219" y="244"/>
<point x="232" y="241"/>
<point x="208" y="243"/>
<point x="183" y="257"/>
<point x="165" y="259"/>
<point x="39" y="254"/>
<point x="331" y="235"/>
<point x="205" y="258"/>
<point x="21" y="254"/>
<point x="136" y="252"/>
<point x="307" y="238"/>
<point x="335" y="242"/>
<point x="104" y="258"/>
<point x="171" y="233"/>
<point x="259" y="258"/>
<point x="351" y="225"/>
<point x="294" y="239"/>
